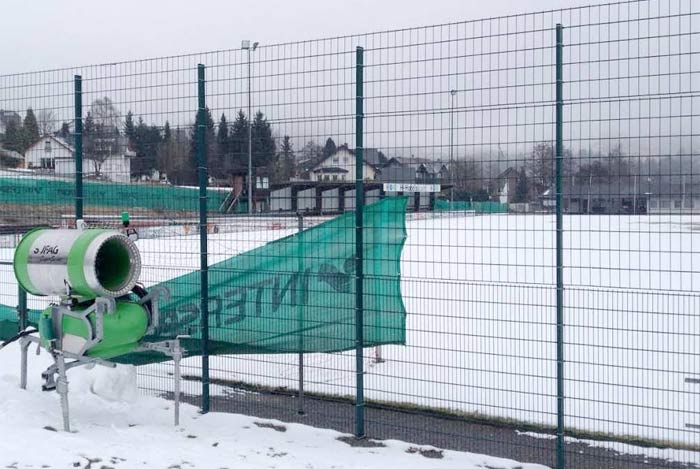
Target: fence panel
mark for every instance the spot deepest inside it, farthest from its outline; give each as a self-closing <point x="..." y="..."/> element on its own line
<point x="30" y="104"/>
<point x="458" y="243"/>
<point x="460" y="105"/>
<point x="631" y="94"/>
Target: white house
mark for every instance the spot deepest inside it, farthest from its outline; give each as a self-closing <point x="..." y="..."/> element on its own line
<point x="55" y="155"/>
<point x="340" y="166"/>
<point x="44" y="153"/>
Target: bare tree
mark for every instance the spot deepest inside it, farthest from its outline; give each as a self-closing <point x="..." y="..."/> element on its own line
<point x="173" y="156"/>
<point x="105" y="114"/>
<point x="47" y="121"/>
<point x="541" y="166"/>
<point x="467" y="177"/>
<point x="101" y="135"/>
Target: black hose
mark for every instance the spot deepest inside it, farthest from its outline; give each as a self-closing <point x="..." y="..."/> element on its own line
<point x="18" y="336"/>
<point x="141" y="292"/>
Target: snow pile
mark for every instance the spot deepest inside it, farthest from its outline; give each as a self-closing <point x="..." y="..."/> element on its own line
<point x="113" y="427"/>
<point x="112" y="384"/>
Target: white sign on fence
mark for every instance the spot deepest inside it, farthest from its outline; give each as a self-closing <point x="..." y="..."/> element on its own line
<point x="404" y="187"/>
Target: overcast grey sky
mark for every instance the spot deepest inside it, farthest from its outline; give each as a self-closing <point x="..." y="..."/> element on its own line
<point x="616" y="55"/>
<point x="46" y="34"/>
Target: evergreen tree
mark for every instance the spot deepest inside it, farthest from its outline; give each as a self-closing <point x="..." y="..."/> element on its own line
<point x="167" y="133"/>
<point x="64" y="133"/>
<point x="263" y="144"/>
<point x="329" y="148"/>
<point x="14" y="138"/>
<point x="521" y="187"/>
<point x="221" y="166"/>
<point x="222" y="131"/>
<point x="31" y="129"/>
<point x="88" y="124"/>
<point x="130" y="129"/>
<point x="238" y="141"/>
<point x="284" y="164"/>
<point x="147" y="140"/>
<point x="210" y="140"/>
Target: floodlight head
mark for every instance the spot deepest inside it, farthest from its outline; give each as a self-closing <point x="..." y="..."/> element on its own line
<point x="245" y="44"/>
<point x="255" y="45"/>
<point x="453" y="92"/>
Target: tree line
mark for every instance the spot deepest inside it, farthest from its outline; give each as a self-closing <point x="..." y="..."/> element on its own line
<point x="535" y="172"/>
<point x="174" y="151"/>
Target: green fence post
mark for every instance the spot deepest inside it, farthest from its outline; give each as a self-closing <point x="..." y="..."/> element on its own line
<point x="22" y="308"/>
<point x="300" y="318"/>
<point x="359" y="276"/>
<point x="78" y="91"/>
<point x="203" y="261"/>
<point x="559" y="246"/>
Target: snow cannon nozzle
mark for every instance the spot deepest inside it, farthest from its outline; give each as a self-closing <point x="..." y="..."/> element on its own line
<point x="77" y="263"/>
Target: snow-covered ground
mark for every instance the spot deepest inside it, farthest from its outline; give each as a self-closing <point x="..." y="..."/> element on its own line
<point x="480" y="296"/>
<point x="114" y="426"/>
<point x="667" y="454"/>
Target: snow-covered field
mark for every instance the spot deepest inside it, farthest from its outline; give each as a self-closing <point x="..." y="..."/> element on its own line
<point x="113" y="426"/>
<point x="480" y="297"/>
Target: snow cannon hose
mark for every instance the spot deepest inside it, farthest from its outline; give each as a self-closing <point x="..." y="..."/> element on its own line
<point x="88" y="263"/>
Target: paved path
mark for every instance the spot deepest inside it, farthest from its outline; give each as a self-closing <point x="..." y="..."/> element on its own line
<point x="423" y="428"/>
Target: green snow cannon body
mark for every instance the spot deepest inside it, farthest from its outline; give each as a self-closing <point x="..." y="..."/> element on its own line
<point x="93" y="271"/>
<point x="122" y="329"/>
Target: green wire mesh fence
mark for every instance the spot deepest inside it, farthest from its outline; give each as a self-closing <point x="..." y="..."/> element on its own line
<point x="515" y="280"/>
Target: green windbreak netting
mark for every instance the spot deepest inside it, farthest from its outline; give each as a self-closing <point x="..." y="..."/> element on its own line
<point x="462" y="205"/>
<point x="147" y="196"/>
<point x="296" y="293"/>
<point x="8" y="322"/>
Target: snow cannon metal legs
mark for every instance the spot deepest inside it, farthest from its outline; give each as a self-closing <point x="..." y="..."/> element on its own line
<point x="101" y="311"/>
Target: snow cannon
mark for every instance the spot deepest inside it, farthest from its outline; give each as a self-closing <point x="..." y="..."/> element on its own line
<point x="84" y="264"/>
<point x="101" y="313"/>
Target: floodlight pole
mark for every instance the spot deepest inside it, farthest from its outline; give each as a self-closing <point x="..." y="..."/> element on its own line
<point x="246" y="45"/>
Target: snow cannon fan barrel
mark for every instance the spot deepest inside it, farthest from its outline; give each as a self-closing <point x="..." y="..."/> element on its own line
<point x="93" y="271"/>
<point x="87" y="264"/>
